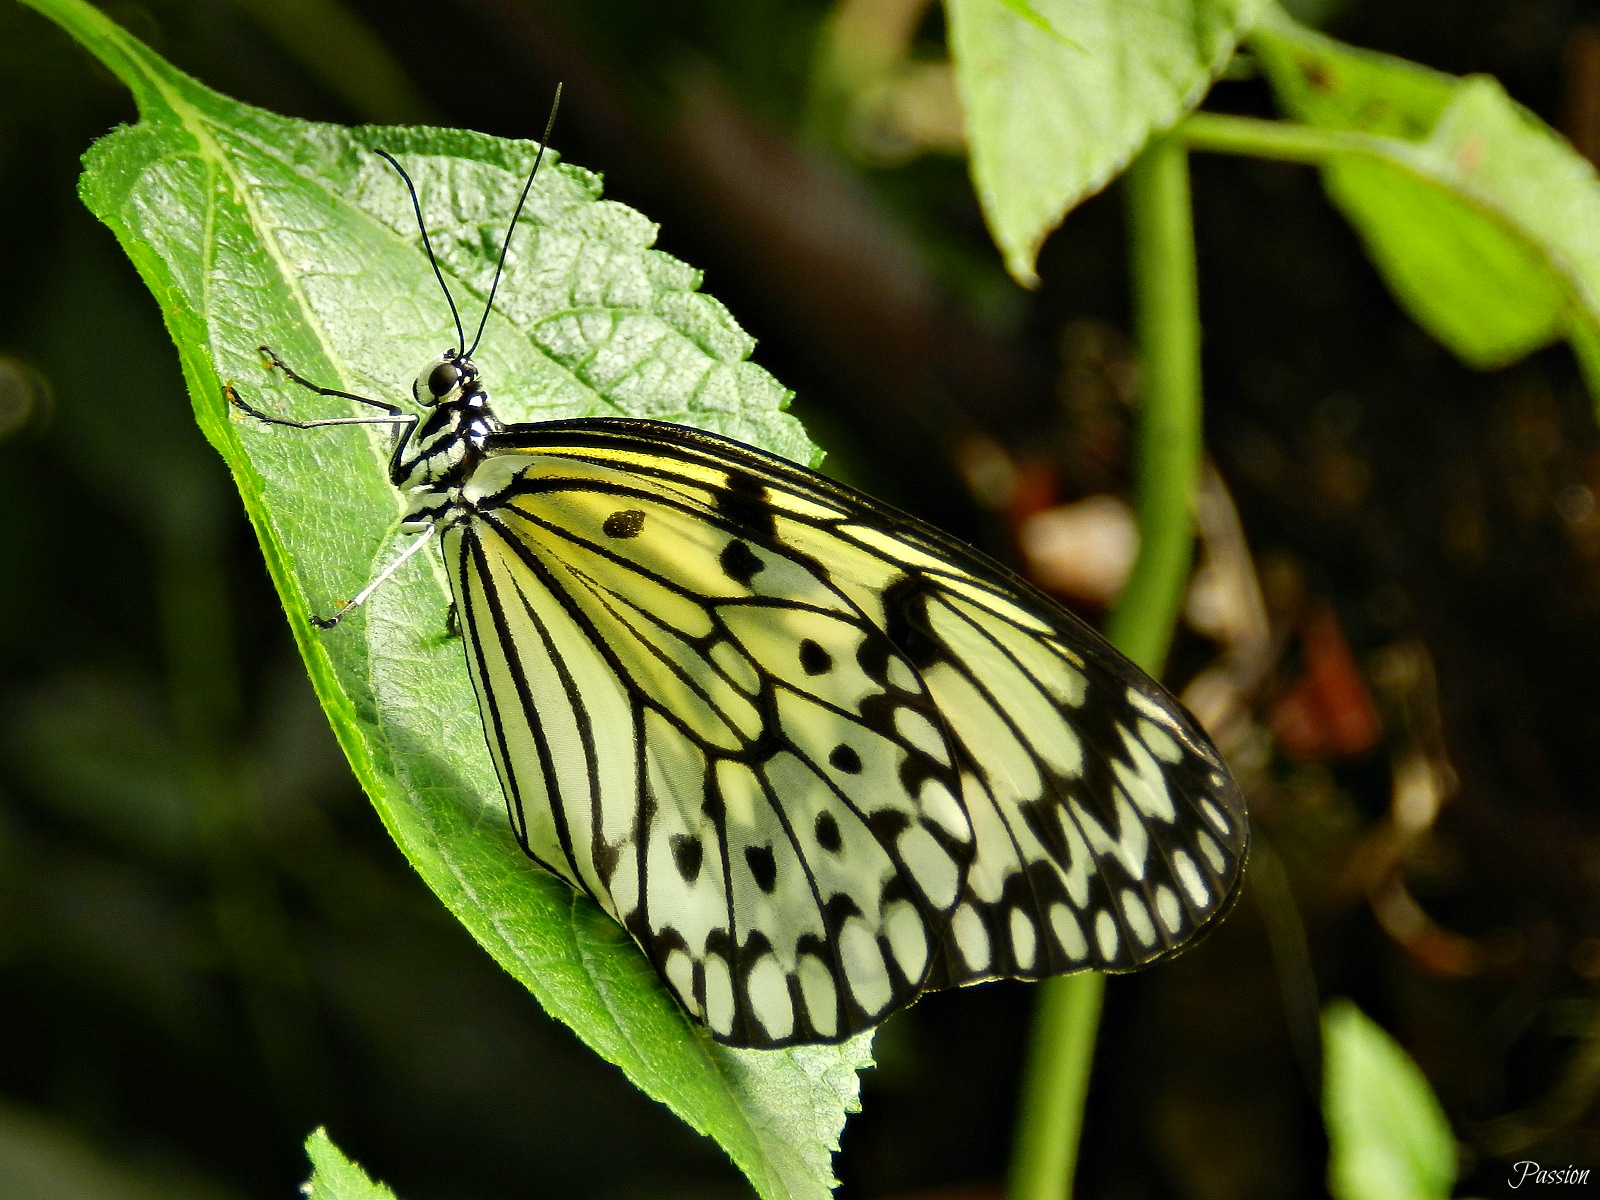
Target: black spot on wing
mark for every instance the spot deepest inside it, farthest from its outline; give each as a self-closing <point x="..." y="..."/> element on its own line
<point x="763" y="867"/>
<point x="814" y="660"/>
<point x="745" y="501"/>
<point x="887" y="824"/>
<point x="844" y="758"/>
<point x="687" y="855"/>
<point x="872" y="656"/>
<point x="625" y="523"/>
<point x="739" y="562"/>
<point x="827" y="830"/>
<point x="905" y="620"/>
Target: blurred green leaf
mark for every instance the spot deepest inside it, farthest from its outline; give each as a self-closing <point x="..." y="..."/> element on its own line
<point x="335" y="1177"/>
<point x="1057" y="102"/>
<point x="250" y="228"/>
<point x="1388" y="1137"/>
<point x="1031" y="15"/>
<point x="1483" y="220"/>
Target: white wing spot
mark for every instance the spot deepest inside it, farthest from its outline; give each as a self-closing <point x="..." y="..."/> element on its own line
<point x="1213" y="852"/>
<point x="1142" y="779"/>
<point x="1190" y="881"/>
<point x="901" y="675"/>
<point x="972" y="938"/>
<point x="624" y="884"/>
<point x="908" y="940"/>
<point x="1138" y="917"/>
<point x="1142" y="703"/>
<point x="1024" y="940"/>
<point x="768" y="989"/>
<point x="934" y="872"/>
<point x="1063" y="678"/>
<point x="1105" y="933"/>
<point x="1068" y="932"/>
<point x="719" y="995"/>
<point x="1168" y="908"/>
<point x="1078" y="869"/>
<point x="1161" y="743"/>
<point x="1072" y="685"/>
<point x="993" y="863"/>
<point x="1131" y="848"/>
<point x="919" y="732"/>
<point x="1217" y="817"/>
<point x="680" y="974"/>
<point x="822" y="1000"/>
<point x="944" y="810"/>
<point x="866" y="974"/>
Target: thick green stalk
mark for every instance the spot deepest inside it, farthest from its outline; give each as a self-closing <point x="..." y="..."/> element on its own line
<point x="1055" y="1085"/>
<point x="1167" y="454"/>
<point x="1167" y="324"/>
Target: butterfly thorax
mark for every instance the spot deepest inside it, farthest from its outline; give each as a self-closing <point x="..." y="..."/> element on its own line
<point x="437" y="456"/>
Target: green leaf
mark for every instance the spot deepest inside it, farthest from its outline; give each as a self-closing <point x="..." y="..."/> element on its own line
<point x="1031" y="15"/>
<point x="335" y="1177"/>
<point x="1060" y="98"/>
<point x="1388" y="1137"/>
<point x="250" y="228"/>
<point x="1483" y="220"/>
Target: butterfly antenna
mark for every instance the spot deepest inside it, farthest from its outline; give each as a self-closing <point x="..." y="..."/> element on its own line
<point x="416" y="207"/>
<point x="505" y="246"/>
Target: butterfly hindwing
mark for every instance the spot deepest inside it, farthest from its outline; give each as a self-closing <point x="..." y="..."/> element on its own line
<point x="816" y="757"/>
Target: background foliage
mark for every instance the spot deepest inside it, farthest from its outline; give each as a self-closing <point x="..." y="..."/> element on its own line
<point x="208" y="946"/>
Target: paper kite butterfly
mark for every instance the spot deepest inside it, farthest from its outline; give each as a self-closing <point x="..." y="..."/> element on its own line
<point x="816" y="756"/>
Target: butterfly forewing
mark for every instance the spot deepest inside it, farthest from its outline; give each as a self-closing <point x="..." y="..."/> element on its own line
<point x="815" y="756"/>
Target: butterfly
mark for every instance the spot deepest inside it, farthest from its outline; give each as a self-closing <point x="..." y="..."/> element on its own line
<point x="817" y="757"/>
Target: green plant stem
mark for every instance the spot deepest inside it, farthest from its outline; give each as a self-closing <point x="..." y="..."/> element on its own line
<point x="1055" y="1085"/>
<point x="1167" y="323"/>
<point x="1284" y="141"/>
<point x="1167" y="455"/>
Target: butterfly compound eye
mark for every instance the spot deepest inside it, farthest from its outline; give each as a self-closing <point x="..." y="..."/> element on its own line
<point x="443" y="378"/>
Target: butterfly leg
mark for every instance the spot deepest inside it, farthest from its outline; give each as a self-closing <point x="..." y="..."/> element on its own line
<point x="392" y="414"/>
<point x="360" y="598"/>
<point x="388" y="415"/>
<point x="270" y="358"/>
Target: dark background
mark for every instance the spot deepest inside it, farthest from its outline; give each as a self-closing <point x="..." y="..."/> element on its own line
<point x="207" y="944"/>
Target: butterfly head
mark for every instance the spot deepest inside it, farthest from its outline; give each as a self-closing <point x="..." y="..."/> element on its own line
<point x="450" y="377"/>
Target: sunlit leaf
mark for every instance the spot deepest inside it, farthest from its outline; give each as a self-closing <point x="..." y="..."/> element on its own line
<point x="1059" y="101"/>
<point x="1483" y="220"/>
